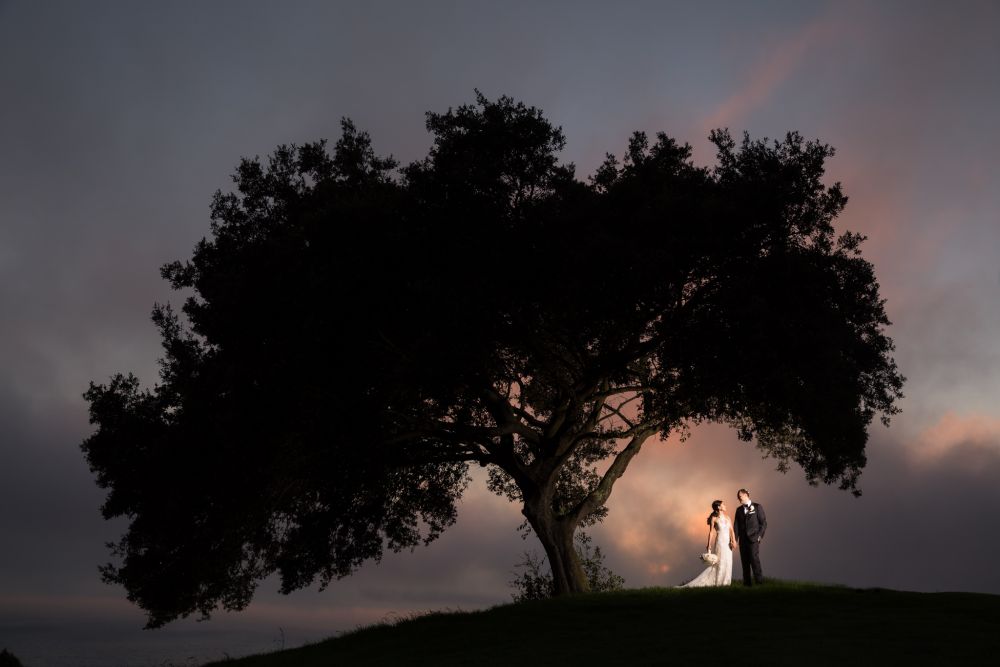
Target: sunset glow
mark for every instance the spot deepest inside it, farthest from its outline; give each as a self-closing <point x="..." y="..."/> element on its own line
<point x="121" y="119"/>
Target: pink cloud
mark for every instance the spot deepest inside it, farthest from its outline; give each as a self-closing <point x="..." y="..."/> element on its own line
<point x="971" y="432"/>
<point x="659" y="507"/>
<point x="767" y="75"/>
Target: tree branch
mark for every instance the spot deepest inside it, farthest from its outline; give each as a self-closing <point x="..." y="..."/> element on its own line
<point x="507" y="417"/>
<point x="617" y="435"/>
<point x="617" y="411"/>
<point x="528" y="417"/>
<point x="456" y="457"/>
<point x="618" y="390"/>
<point x="452" y="433"/>
<point x="600" y="493"/>
<point x="558" y="420"/>
<point x="593" y="419"/>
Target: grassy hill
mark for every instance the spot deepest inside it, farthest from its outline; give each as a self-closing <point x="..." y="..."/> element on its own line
<point x="780" y="623"/>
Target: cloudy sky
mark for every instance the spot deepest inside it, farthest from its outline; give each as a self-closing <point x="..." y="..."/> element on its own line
<point x="119" y="120"/>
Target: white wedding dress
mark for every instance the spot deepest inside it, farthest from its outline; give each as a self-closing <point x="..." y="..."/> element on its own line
<point x="720" y="574"/>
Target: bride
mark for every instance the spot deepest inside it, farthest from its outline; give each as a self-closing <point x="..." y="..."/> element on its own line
<point x="720" y="529"/>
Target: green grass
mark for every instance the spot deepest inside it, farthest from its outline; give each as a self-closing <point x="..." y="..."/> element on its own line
<point x="779" y="623"/>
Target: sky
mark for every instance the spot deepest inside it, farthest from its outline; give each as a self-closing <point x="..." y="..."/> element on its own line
<point x="120" y="119"/>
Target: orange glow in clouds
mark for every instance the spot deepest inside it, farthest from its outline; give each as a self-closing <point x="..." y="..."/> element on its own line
<point x="658" y="509"/>
<point x="978" y="431"/>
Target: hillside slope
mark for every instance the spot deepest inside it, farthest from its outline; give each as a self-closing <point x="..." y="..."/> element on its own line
<point x="780" y="623"/>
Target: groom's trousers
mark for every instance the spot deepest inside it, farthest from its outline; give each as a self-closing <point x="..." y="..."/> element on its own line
<point x="750" y="559"/>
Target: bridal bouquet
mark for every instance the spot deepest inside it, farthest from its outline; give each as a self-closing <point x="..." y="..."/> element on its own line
<point x="710" y="558"/>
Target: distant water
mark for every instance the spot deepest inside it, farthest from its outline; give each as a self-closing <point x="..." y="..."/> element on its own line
<point x="40" y="644"/>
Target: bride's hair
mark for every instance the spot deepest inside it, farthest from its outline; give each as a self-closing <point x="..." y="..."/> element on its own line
<point x="715" y="511"/>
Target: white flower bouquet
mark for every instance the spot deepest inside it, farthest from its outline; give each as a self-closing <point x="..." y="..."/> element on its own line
<point x="709" y="558"/>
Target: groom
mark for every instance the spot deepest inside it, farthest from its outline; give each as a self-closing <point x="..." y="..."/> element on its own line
<point x="750" y="526"/>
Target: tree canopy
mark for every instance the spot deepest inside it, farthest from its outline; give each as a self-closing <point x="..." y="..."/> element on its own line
<point x="359" y="333"/>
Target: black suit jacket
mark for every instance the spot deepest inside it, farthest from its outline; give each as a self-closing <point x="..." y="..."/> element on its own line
<point x="750" y="526"/>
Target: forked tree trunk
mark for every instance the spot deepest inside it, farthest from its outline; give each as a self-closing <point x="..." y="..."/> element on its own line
<point x="556" y="533"/>
<point x="556" y="537"/>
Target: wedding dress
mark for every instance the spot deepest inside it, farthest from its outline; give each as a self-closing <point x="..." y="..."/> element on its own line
<point x="720" y="574"/>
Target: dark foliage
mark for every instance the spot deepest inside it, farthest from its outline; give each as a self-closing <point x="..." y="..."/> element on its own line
<point x="359" y="334"/>
<point x="8" y="659"/>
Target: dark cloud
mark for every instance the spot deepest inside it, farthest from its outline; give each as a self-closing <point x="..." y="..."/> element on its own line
<point x="119" y="122"/>
<point x="918" y="527"/>
<point x="53" y="534"/>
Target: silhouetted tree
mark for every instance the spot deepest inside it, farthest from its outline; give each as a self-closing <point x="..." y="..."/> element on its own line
<point x="360" y="334"/>
<point x="8" y="659"/>
<point x="533" y="581"/>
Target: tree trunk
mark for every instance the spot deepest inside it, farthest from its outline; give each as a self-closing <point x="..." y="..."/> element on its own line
<point x="556" y="537"/>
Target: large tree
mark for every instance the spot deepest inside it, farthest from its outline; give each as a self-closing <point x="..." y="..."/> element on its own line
<point x="360" y="333"/>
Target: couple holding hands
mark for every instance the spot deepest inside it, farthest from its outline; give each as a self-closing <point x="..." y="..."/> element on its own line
<point x="746" y="531"/>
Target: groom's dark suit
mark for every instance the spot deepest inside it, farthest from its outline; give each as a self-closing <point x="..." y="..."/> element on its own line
<point x="750" y="526"/>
